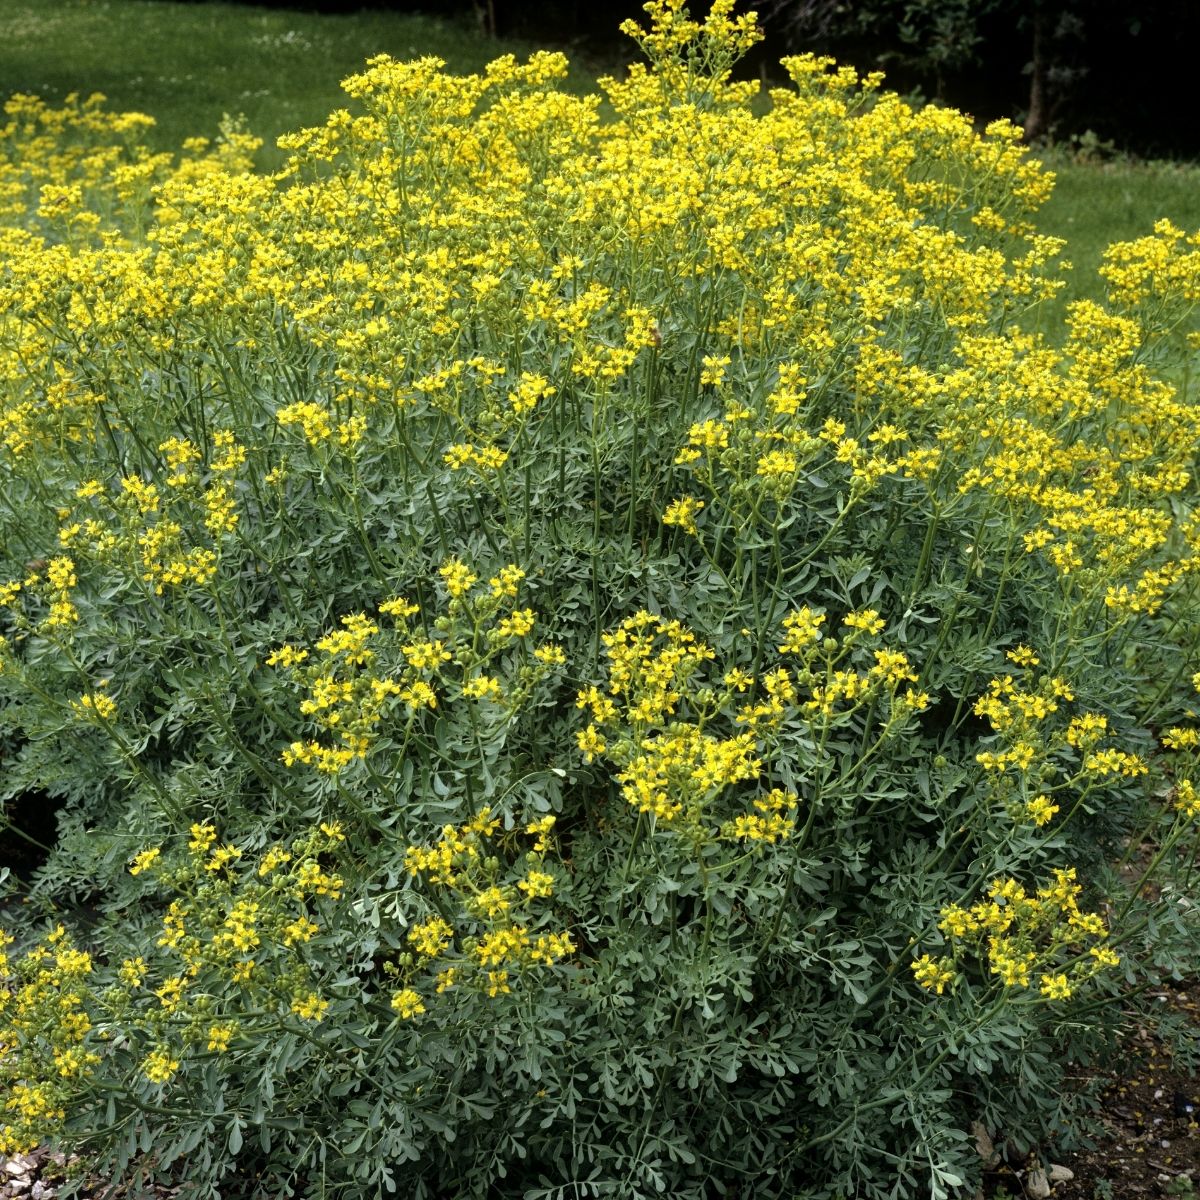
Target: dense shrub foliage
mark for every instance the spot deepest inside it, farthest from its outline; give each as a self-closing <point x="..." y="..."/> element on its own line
<point x="584" y="646"/>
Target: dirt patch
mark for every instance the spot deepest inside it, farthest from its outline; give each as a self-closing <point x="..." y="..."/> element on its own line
<point x="1148" y="1144"/>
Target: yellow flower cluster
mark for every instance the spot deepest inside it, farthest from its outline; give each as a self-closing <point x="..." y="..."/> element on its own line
<point x="668" y="766"/>
<point x="56" y="1023"/>
<point x="657" y="720"/>
<point x="46" y="1018"/>
<point x="816" y="276"/>
<point x="362" y="671"/>
<point x="96" y="706"/>
<point x="1020" y="937"/>
<point x="1040" y="756"/>
<point x="154" y="533"/>
<point x="495" y="885"/>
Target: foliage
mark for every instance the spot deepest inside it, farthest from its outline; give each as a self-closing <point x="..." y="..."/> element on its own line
<point x="929" y="37"/>
<point x="578" y="657"/>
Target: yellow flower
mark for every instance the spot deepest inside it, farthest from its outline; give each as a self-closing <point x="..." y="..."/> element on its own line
<point x="171" y="992"/>
<point x="540" y="830"/>
<point x="312" y="418"/>
<point x="506" y="582"/>
<point x="682" y="512"/>
<point x="297" y="932"/>
<point x="287" y="656"/>
<point x="777" y="466"/>
<point x="868" y="620"/>
<point x="145" y="860"/>
<point x="549" y="948"/>
<point x="1181" y="739"/>
<point x="1056" y="987"/>
<point x="491" y="902"/>
<point x="159" y="1067"/>
<point x="408" y="1003"/>
<point x="713" y="372"/>
<point x="933" y="974"/>
<point x="203" y="837"/>
<point x="482" y="687"/>
<point x="529" y="390"/>
<point x="1041" y="810"/>
<point x="426" y="656"/>
<point x="274" y="858"/>
<point x="418" y="695"/>
<point x="537" y="884"/>
<point x="399" y="608"/>
<point x="221" y="857"/>
<point x="219" y="1037"/>
<point x="803" y="630"/>
<point x="1023" y="656"/>
<point x="431" y="937"/>
<point x="1187" y="798"/>
<point x="517" y="625"/>
<point x="458" y="577"/>
<point x="892" y="666"/>
<point x="591" y="743"/>
<point x="309" y="1006"/>
<point x="133" y="971"/>
<point x="242" y="970"/>
<point x="1114" y="762"/>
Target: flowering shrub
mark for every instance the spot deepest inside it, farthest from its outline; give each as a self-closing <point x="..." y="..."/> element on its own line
<point x="582" y="653"/>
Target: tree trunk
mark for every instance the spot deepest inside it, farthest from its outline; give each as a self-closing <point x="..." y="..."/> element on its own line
<point x="485" y="14"/>
<point x="1035" y="121"/>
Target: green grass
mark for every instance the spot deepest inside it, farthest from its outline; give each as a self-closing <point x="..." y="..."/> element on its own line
<point x="1094" y="205"/>
<point x="188" y="64"/>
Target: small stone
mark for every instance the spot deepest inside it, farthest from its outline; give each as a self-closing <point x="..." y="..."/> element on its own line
<point x="1037" y="1186"/>
<point x="1059" y="1174"/>
<point x="985" y="1146"/>
<point x="40" y="1191"/>
<point x="14" y="1166"/>
<point x="18" y="1187"/>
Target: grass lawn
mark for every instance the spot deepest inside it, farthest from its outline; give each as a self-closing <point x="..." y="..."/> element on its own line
<point x="188" y="64"/>
<point x="1095" y="205"/>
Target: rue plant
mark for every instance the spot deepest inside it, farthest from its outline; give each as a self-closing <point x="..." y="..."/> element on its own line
<point x="582" y="646"/>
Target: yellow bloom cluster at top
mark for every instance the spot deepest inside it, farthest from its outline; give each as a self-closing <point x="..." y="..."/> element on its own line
<point x="834" y="233"/>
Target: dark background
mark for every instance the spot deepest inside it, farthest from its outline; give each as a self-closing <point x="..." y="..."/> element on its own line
<point x="1125" y="71"/>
